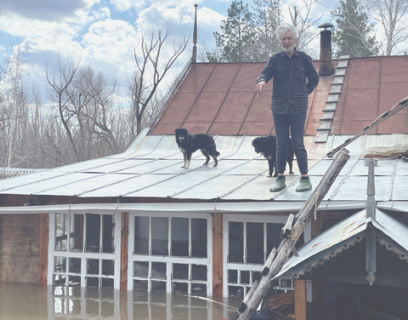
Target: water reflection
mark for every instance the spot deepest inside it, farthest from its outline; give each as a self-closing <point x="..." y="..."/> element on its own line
<point x="31" y="301"/>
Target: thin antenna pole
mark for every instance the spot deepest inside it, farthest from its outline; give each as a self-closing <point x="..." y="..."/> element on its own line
<point x="194" y="59"/>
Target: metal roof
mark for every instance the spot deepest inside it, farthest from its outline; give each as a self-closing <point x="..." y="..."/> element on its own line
<point x="220" y="99"/>
<point x="151" y="168"/>
<point x="391" y="234"/>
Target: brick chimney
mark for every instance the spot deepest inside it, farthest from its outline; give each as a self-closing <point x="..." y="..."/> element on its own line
<point x="326" y="64"/>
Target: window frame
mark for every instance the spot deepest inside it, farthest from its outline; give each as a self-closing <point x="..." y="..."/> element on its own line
<point x="253" y="268"/>
<point x="85" y="255"/>
<point x="169" y="259"/>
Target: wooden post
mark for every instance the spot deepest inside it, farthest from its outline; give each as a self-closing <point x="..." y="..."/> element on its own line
<point x="300" y="299"/>
<point x="217" y="254"/>
<point x="287" y="245"/>
<point x="124" y="250"/>
<point x="44" y="236"/>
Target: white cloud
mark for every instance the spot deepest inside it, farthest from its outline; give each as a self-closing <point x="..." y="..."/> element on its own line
<point x="124" y="5"/>
<point x="108" y="47"/>
<point x="49" y="10"/>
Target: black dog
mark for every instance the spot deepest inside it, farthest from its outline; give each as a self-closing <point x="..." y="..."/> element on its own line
<point x="266" y="145"/>
<point x="189" y="143"/>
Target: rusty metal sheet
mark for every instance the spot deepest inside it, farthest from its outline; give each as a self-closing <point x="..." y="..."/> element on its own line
<point x="344" y="233"/>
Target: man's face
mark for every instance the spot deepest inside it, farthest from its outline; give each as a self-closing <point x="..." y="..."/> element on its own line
<point x="288" y="42"/>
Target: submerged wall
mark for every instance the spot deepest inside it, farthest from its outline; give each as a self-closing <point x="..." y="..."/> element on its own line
<point x="20" y="248"/>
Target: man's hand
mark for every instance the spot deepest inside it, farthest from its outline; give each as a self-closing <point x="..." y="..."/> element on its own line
<point x="259" y="87"/>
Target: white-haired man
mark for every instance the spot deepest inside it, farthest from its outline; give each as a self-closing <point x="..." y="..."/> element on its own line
<point x="294" y="78"/>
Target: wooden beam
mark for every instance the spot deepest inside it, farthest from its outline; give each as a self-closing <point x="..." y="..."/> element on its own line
<point x="300" y="300"/>
<point x="217" y="255"/>
<point x="124" y="250"/>
<point x="302" y="218"/>
<point x="44" y="236"/>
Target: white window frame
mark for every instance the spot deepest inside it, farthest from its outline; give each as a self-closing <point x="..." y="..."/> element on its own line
<point x="115" y="256"/>
<point x="169" y="260"/>
<point x="243" y="266"/>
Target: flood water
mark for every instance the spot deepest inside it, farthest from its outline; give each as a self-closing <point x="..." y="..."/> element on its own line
<point x="31" y="301"/>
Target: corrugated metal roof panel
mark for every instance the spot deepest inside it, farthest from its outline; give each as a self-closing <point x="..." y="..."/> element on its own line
<point x="240" y="175"/>
<point x="343" y="233"/>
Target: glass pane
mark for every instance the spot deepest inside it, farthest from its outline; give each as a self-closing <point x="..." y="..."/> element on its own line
<point x="179" y="237"/>
<point x="92" y="282"/>
<point x="256" y="275"/>
<point x="74" y="265"/>
<point x="235" y="291"/>
<point x="74" y="281"/>
<point x="108" y="238"/>
<point x="273" y="239"/>
<point x="141" y="269"/>
<point x="108" y="267"/>
<point x="140" y="285"/>
<point x="59" y="279"/>
<point x="159" y="286"/>
<point x="255" y="240"/>
<point x="93" y="232"/>
<point x="180" y="271"/>
<point x="60" y="264"/>
<point x="244" y="277"/>
<point x="107" y="283"/>
<point x="236" y="242"/>
<point x="76" y="238"/>
<point x="92" y="266"/>
<point x="61" y="231"/>
<point x="158" y="270"/>
<point x="199" y="238"/>
<point x="160" y="236"/>
<point x="199" y="289"/>
<point x="198" y="272"/>
<point x="180" y="287"/>
<point x="141" y="240"/>
<point x="232" y="276"/>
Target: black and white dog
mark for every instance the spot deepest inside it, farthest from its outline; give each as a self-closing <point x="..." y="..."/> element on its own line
<point x="266" y="145"/>
<point x="190" y="143"/>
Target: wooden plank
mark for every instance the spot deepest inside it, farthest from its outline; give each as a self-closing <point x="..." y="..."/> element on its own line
<point x="282" y="299"/>
<point x="217" y="255"/>
<point x="124" y="250"/>
<point x="300" y="300"/>
<point x="44" y="236"/>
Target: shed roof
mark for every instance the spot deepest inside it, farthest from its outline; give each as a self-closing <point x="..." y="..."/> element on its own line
<point x="319" y="258"/>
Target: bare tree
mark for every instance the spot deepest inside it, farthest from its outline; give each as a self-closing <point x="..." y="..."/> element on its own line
<point x="60" y="84"/>
<point x="392" y="15"/>
<point x="302" y="19"/>
<point x="153" y="61"/>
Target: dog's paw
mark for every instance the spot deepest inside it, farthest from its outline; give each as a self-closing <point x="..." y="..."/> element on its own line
<point x="269" y="176"/>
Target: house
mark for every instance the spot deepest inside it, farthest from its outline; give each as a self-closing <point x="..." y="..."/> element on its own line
<point x="138" y="221"/>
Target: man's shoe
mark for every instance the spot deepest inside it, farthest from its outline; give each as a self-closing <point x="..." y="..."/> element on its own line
<point x="278" y="186"/>
<point x="304" y="185"/>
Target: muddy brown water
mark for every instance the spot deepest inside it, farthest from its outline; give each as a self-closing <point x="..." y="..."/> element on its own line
<point x="31" y="301"/>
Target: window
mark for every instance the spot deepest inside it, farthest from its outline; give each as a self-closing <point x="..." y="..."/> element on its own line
<point x="85" y="252"/>
<point x="248" y="240"/>
<point x="170" y="254"/>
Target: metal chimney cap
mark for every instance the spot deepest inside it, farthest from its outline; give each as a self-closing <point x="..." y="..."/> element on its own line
<point x="326" y="25"/>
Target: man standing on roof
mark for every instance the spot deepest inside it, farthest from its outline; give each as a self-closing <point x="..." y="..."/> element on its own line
<point x="289" y="69"/>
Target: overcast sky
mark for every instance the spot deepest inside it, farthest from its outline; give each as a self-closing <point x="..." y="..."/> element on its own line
<point x="104" y="33"/>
